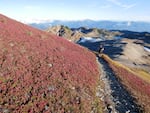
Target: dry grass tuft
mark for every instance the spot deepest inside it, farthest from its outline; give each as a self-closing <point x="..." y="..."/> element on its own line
<point x="136" y="81"/>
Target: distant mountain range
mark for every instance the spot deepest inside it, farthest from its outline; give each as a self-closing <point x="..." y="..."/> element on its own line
<point x="108" y="25"/>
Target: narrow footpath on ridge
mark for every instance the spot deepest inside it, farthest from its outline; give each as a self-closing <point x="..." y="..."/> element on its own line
<point x="116" y="98"/>
<point x="113" y="93"/>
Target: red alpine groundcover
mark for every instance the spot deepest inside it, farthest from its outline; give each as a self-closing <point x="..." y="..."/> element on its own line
<point x="40" y="72"/>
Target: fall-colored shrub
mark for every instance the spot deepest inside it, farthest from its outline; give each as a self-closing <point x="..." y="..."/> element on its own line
<point x="40" y="72"/>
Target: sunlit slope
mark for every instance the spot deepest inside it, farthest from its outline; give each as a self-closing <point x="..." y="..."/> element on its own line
<point x="136" y="81"/>
<point x="40" y="72"/>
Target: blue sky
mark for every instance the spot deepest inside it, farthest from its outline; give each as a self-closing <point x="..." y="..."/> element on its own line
<point x="40" y="10"/>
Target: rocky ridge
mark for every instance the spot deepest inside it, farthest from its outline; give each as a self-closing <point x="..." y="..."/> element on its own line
<point x="74" y="34"/>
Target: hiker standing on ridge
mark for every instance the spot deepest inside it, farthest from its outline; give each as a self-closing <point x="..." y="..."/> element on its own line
<point x="101" y="49"/>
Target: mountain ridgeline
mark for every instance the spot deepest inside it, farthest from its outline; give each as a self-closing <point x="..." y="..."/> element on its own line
<point x="74" y="34"/>
<point x="108" y="25"/>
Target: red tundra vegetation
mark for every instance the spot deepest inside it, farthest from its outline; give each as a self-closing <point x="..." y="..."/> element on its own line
<point x="40" y="72"/>
<point x="139" y="87"/>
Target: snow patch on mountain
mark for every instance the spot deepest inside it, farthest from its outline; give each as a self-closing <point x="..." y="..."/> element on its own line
<point x="89" y="39"/>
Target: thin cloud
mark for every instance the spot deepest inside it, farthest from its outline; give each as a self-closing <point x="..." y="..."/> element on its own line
<point x="120" y="4"/>
<point x="93" y="5"/>
<point x="129" y="6"/>
<point x="105" y="6"/>
<point x="31" y="7"/>
<point x="34" y="20"/>
<point x="97" y="5"/>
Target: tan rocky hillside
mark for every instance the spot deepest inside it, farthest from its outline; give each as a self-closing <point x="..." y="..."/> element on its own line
<point x="65" y="32"/>
<point x="76" y="33"/>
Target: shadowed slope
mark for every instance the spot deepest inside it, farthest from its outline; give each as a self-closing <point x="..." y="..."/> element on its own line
<point x="40" y="72"/>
